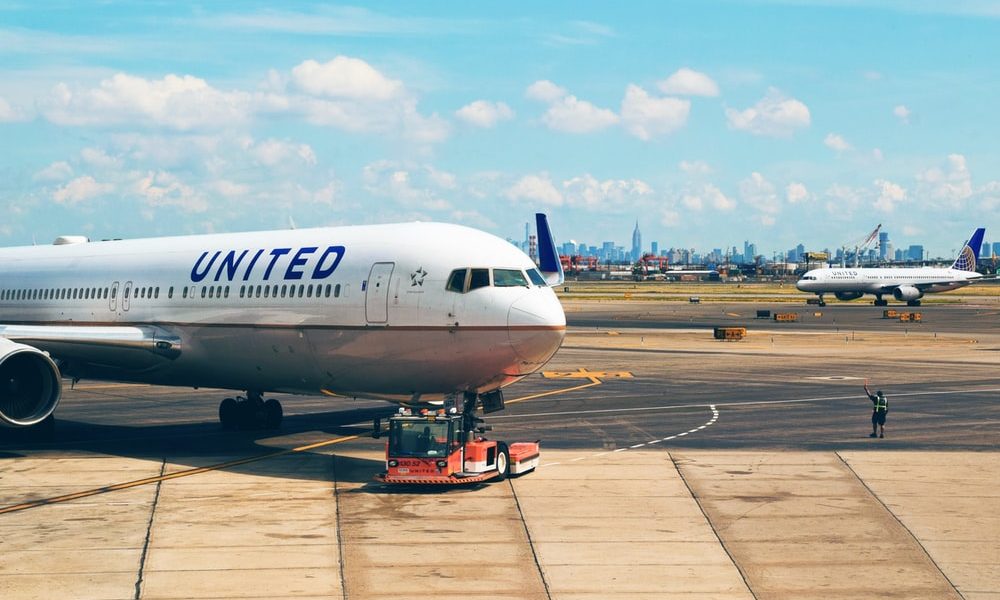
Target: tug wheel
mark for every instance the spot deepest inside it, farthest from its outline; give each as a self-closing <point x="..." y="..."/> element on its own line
<point x="503" y="461"/>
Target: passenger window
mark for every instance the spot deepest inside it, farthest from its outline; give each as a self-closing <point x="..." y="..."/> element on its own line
<point x="226" y="291"/>
<point x="456" y="281"/>
<point x="267" y="290"/>
<point x="336" y="291"/>
<point x="480" y="278"/>
<point x="309" y="291"/>
<point x="170" y="292"/>
<point x="284" y="289"/>
<point x="204" y="291"/>
<point x="509" y="278"/>
<point x="184" y="294"/>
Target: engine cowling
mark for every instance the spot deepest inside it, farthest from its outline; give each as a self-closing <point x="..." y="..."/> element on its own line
<point x="907" y="292"/>
<point x="30" y="385"/>
<point x="848" y="295"/>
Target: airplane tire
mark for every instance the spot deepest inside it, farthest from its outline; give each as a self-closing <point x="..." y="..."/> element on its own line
<point x="229" y="413"/>
<point x="503" y="461"/>
<point x="272" y="414"/>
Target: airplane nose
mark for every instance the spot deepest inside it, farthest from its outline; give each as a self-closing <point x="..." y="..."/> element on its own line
<point x="536" y="325"/>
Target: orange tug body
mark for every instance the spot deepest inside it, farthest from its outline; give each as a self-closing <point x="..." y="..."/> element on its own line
<point x="434" y="449"/>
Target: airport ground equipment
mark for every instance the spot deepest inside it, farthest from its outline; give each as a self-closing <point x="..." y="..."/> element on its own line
<point x="763" y="314"/>
<point x="890" y="313"/>
<point x="444" y="447"/>
<point x="730" y="334"/>
<point x="911" y="317"/>
<point x="786" y="317"/>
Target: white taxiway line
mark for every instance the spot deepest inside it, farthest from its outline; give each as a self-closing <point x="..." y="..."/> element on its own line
<point x="715" y="417"/>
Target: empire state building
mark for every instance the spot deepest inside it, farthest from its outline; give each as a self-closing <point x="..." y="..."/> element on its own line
<point x="636" y="242"/>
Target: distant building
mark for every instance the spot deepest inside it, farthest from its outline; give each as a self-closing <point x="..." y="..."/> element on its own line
<point x="883" y="245"/>
<point x="996" y="248"/>
<point x="915" y="252"/>
<point x="656" y="248"/>
<point x="636" y="242"/>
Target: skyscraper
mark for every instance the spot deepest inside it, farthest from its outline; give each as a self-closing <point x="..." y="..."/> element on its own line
<point x="636" y="242"/>
<point x="883" y="245"/>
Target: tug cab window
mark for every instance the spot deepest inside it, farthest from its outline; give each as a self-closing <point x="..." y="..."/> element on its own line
<point x="509" y="278"/>
<point x="480" y="278"/>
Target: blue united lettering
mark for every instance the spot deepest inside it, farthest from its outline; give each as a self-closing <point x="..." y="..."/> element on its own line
<point x="282" y="263"/>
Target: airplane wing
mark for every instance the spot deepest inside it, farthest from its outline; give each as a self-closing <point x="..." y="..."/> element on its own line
<point x="120" y="345"/>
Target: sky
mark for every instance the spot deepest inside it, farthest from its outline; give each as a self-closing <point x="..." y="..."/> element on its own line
<point x="710" y="122"/>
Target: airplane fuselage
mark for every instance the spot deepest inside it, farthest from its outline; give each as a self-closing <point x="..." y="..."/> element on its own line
<point x="363" y="310"/>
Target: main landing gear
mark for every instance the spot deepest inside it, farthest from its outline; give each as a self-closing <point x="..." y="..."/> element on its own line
<point x="252" y="412"/>
<point x="913" y="302"/>
<point x="880" y="302"/>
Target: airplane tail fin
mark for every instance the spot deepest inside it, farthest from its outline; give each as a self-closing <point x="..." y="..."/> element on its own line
<point x="548" y="258"/>
<point x="967" y="258"/>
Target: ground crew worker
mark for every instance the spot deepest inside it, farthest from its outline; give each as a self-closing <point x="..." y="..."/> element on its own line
<point x="880" y="406"/>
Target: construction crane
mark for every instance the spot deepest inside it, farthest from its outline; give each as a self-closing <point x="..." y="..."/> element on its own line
<point x="859" y="246"/>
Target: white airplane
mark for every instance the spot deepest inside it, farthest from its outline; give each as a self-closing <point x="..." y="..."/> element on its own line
<point x="414" y="312"/>
<point x="909" y="284"/>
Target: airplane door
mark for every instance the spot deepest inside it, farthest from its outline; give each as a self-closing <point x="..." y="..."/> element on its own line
<point x="377" y="292"/>
<point x="113" y="299"/>
<point x="125" y="294"/>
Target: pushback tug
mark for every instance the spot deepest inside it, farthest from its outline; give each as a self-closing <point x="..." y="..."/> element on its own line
<point x="447" y="447"/>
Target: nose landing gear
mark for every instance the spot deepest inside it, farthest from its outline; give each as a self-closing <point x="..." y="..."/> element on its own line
<point x="252" y="412"/>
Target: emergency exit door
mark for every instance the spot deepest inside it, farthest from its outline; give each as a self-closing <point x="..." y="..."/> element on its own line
<point x="377" y="292"/>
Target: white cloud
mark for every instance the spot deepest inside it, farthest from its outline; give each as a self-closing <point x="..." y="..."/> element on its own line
<point x="177" y="102"/>
<point x="774" y="115"/>
<point x="912" y="230"/>
<point x="10" y="114"/>
<point x="228" y="189"/>
<point x="687" y="82"/>
<point x="344" y="77"/>
<point x="889" y="195"/>
<point x="537" y="188"/>
<point x="272" y="152"/>
<point x="877" y="155"/>
<point x="707" y="194"/>
<point x="902" y="113"/>
<point x="572" y="115"/>
<point x="952" y="184"/>
<point x="161" y="189"/>
<point x="645" y="117"/>
<point x="482" y="113"/>
<point x="96" y="157"/>
<point x="413" y="186"/>
<point x="57" y="171"/>
<point x="588" y="192"/>
<point x="757" y="192"/>
<point x="796" y="192"/>
<point x="694" y="167"/>
<point x="81" y="189"/>
<point x="836" y="142"/>
<point x="545" y="91"/>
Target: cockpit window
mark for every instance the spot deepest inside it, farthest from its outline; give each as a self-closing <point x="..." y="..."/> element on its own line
<point x="536" y="277"/>
<point x="509" y="278"/>
<point x="456" y="282"/>
<point x="480" y="278"/>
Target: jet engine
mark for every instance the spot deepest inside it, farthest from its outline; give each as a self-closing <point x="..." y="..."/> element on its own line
<point x="30" y="385"/>
<point x="907" y="292"/>
<point x="848" y="295"/>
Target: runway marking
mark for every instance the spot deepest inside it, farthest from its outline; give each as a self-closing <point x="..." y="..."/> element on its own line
<point x="582" y="373"/>
<point x="715" y="417"/>
<point x="593" y="381"/>
<point x="736" y="404"/>
<point x="175" y="475"/>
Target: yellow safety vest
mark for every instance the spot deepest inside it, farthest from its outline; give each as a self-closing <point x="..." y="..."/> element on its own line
<point x="881" y="403"/>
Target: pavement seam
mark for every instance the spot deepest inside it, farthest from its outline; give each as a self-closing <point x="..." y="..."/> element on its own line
<point x="531" y="543"/>
<point x="340" y="537"/>
<point x="872" y="493"/>
<point x="715" y="532"/>
<point x="149" y="532"/>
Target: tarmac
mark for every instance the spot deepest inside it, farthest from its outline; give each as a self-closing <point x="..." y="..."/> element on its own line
<point x="673" y="465"/>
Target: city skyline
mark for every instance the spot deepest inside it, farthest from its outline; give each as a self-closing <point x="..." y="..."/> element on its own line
<point x="886" y="250"/>
<point x="773" y="120"/>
